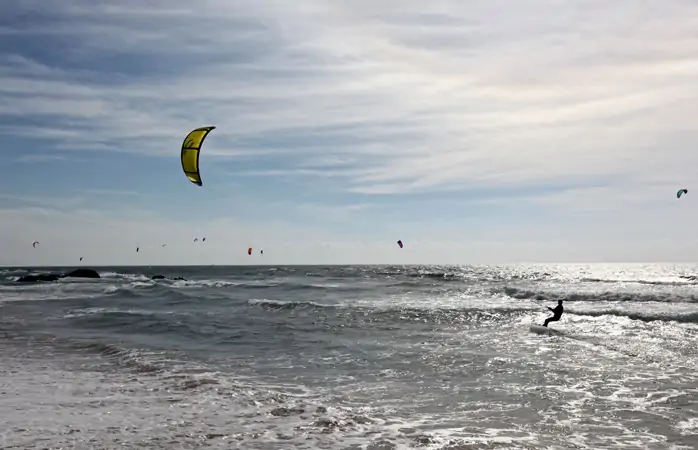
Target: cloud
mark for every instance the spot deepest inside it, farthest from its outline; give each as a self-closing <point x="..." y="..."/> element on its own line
<point x="40" y="158"/>
<point x="118" y="193"/>
<point x="435" y="94"/>
<point x="111" y="237"/>
<point x="405" y="99"/>
<point x="48" y="201"/>
<point x="331" y="212"/>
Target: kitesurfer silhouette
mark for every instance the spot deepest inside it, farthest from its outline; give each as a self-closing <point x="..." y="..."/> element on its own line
<point x="557" y="313"/>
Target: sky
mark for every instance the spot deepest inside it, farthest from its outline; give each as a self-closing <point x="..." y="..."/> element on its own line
<point x="485" y="131"/>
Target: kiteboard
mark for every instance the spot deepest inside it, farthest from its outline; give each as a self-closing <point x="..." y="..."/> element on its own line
<point x="540" y="329"/>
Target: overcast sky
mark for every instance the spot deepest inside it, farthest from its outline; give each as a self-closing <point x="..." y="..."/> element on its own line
<point x="475" y="131"/>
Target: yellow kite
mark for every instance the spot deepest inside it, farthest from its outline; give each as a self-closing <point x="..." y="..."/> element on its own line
<point x="190" y="153"/>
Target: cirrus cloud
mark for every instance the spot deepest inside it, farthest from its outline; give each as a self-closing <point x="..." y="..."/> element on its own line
<point x="371" y="98"/>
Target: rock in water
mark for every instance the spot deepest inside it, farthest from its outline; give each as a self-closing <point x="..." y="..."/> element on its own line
<point x="39" y="277"/>
<point x="163" y="277"/>
<point x="83" y="273"/>
<point x="78" y="273"/>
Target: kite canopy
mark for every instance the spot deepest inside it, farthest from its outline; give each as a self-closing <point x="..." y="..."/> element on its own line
<point x="399" y="243"/>
<point x="34" y="243"/>
<point x="249" y="251"/>
<point x="190" y="153"/>
<point x="681" y="192"/>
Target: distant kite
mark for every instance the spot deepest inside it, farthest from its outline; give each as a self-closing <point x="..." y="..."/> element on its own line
<point x="249" y="251"/>
<point x="34" y="243"/>
<point x="681" y="192"/>
<point x="399" y="243"/>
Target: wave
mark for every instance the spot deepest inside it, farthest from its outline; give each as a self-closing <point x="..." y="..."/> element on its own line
<point x="291" y="286"/>
<point x="280" y="304"/>
<point x="683" y="281"/>
<point x="664" y="297"/>
<point x="140" y="361"/>
<point x="154" y="328"/>
<point x="463" y="314"/>
<point x="336" y="276"/>
<point x="397" y="312"/>
<point x="653" y="316"/>
<point x="199" y="283"/>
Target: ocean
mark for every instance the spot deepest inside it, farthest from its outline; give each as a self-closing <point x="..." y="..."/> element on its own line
<point x="351" y="357"/>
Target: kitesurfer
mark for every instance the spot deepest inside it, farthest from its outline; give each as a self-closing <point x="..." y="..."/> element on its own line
<point x="557" y="313"/>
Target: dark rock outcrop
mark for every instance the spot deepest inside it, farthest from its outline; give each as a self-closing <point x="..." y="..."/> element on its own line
<point x="163" y="277"/>
<point x="83" y="273"/>
<point x="39" y="277"/>
<point x="78" y="273"/>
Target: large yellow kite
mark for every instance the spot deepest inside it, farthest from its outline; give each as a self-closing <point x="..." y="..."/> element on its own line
<point x="190" y="153"/>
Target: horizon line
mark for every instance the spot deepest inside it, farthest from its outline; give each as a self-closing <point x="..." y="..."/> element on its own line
<point x="3" y="266"/>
